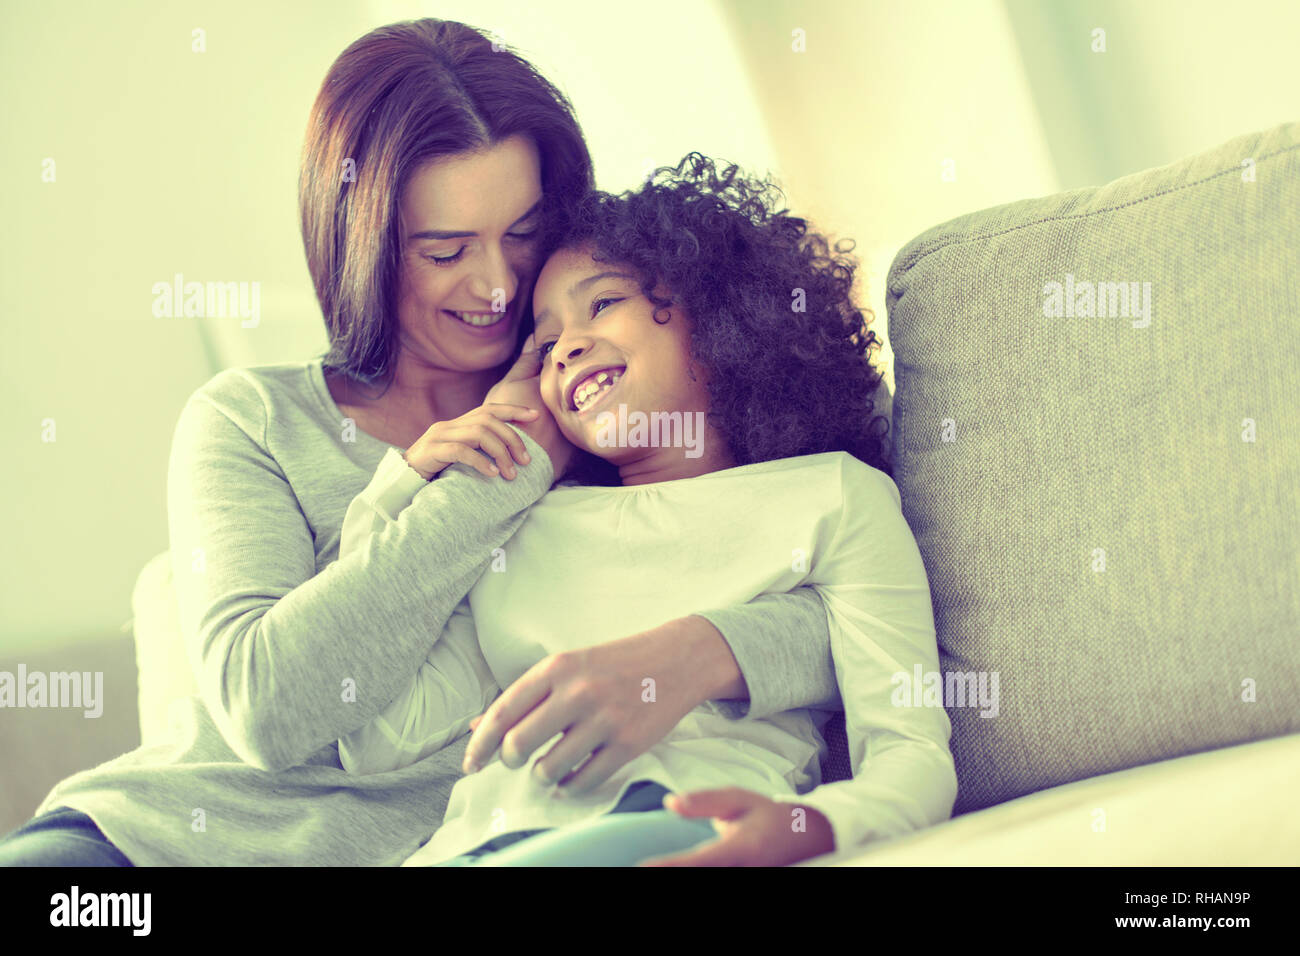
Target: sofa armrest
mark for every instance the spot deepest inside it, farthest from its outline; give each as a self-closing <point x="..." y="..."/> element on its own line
<point x="164" y="672"/>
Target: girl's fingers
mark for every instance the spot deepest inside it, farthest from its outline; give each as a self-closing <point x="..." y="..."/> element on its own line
<point x="728" y="803"/>
<point x="725" y="851"/>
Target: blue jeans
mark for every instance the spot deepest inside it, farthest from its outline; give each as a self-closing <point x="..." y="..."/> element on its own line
<point x="63" y="837"/>
<point x="637" y="829"/>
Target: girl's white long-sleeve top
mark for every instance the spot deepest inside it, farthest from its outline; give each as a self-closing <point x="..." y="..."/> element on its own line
<point x="590" y="564"/>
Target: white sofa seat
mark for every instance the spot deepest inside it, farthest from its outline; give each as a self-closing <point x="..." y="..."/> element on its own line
<point x="1230" y="807"/>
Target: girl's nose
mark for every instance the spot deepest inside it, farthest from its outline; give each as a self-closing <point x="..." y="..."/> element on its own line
<point x="571" y="354"/>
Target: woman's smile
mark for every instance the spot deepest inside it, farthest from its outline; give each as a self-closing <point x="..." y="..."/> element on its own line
<point x="491" y="325"/>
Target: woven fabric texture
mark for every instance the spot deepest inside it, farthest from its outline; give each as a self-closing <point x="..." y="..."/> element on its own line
<point x="1097" y="445"/>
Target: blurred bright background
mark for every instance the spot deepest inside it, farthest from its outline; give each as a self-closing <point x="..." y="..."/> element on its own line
<point x="879" y="119"/>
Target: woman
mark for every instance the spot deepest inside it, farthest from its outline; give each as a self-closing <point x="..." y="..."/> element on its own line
<point x="672" y="303"/>
<point x="431" y="163"/>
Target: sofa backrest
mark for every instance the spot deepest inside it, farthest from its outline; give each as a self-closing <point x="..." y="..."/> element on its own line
<point x="1097" y="444"/>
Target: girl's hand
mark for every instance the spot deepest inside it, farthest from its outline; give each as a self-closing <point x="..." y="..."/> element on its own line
<point x="612" y="702"/>
<point x="522" y="386"/>
<point x="753" y="830"/>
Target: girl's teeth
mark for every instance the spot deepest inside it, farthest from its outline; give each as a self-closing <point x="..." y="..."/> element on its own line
<point x="587" y="393"/>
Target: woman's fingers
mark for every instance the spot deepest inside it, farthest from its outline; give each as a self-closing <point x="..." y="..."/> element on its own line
<point x="494" y="447"/>
<point x="506" y="711"/>
<point x="530" y="732"/>
<point x="527" y="365"/>
<point x="431" y="453"/>
<point x="602" y="765"/>
<point x="510" y="413"/>
<point x="518" y="450"/>
<point x="579" y="742"/>
<point x="596" y="695"/>
<point x="455" y="451"/>
<point x="497" y="440"/>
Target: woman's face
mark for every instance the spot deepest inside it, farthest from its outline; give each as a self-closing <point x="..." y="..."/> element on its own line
<point x="603" y="352"/>
<point x="468" y="225"/>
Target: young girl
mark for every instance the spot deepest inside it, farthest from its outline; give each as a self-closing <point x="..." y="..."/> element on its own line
<point x="705" y="348"/>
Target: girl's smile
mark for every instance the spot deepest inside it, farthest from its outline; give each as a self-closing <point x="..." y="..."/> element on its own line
<point x="591" y="388"/>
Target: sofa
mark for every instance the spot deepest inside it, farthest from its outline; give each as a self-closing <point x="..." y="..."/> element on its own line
<point x="1097" y="444"/>
<point x="1097" y="441"/>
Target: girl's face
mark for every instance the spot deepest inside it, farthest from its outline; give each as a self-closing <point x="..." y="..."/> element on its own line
<point x="605" y="360"/>
<point x="469" y="257"/>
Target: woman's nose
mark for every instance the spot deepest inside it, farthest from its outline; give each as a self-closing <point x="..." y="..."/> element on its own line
<point x="498" y="273"/>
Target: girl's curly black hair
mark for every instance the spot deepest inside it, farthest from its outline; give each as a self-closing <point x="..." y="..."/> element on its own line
<point x="787" y="351"/>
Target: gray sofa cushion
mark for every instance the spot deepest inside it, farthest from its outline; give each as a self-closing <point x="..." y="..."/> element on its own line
<point x="1106" y="502"/>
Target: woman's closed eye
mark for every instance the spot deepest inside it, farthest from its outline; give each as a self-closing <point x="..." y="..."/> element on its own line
<point x="447" y="260"/>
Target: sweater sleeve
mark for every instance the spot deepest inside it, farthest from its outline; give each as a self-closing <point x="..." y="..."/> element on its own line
<point x="873" y="582"/>
<point x="782" y="644"/>
<point x="287" y="660"/>
<point x="452" y="686"/>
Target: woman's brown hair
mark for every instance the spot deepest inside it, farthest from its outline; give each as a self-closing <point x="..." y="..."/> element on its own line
<point x="395" y="99"/>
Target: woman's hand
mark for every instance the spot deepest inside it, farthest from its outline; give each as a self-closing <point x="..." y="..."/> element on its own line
<point x="481" y="438"/>
<point x="462" y="438"/>
<point x="522" y="386"/>
<point x="612" y="702"/>
<point x="753" y="830"/>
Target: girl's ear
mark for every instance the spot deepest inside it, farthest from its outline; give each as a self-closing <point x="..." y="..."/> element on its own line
<point x="695" y="370"/>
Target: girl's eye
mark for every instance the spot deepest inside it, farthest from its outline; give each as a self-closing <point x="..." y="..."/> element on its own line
<point x="595" y="302"/>
<point x="523" y="235"/>
<point x="447" y="260"/>
<point x="545" y="349"/>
